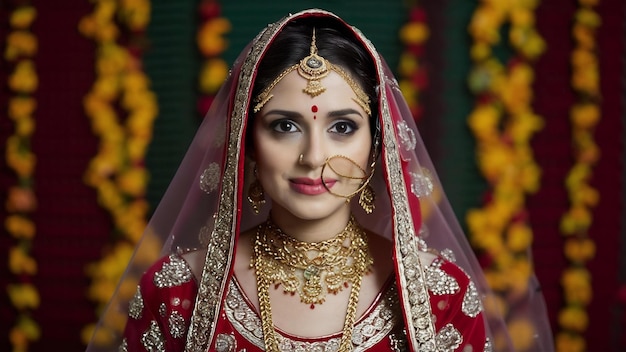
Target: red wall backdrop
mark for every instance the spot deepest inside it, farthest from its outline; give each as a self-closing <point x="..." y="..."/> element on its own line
<point x="72" y="229"/>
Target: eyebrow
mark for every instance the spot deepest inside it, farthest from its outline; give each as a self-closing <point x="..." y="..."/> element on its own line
<point x="344" y="112"/>
<point x="286" y="113"/>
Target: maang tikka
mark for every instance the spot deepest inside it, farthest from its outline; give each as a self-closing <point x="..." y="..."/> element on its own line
<point x="313" y="68"/>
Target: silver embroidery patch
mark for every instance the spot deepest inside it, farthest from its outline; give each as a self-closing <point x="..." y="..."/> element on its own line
<point x="210" y="177"/>
<point x="471" y="301"/>
<point x="407" y="136"/>
<point x="135" y="306"/>
<point x="448" y="339"/>
<point x="177" y="325"/>
<point x="438" y="281"/>
<point x="225" y="343"/>
<point x="124" y="346"/>
<point x="174" y="273"/>
<point x="163" y="310"/>
<point x="422" y="183"/>
<point x="152" y="339"/>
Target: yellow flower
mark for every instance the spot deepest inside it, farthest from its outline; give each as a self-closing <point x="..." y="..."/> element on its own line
<point x="480" y="51"/>
<point x="484" y="121"/>
<point x="136" y="13"/>
<point x="522" y="334"/>
<point x="20" y="227"/>
<point x="23" y="17"/>
<point x="576" y="284"/>
<point x="588" y="17"/>
<point x="23" y="296"/>
<point x="213" y="74"/>
<point x="24" y="79"/>
<point x="20" y="43"/>
<point x="414" y="33"/>
<point x="519" y="237"/>
<point x="21" y="106"/>
<point x="573" y="318"/>
<point x="20" y="262"/>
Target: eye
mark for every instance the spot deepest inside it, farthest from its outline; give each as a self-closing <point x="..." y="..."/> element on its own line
<point x="343" y="127"/>
<point x="284" y="126"/>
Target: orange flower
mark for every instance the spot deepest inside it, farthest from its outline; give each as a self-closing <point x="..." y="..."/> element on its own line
<point x="21" y="199"/>
<point x="585" y="115"/>
<point x="20" y="43"/>
<point x="414" y="33"/>
<point x="519" y="237"/>
<point x="21" y="107"/>
<point x="210" y="40"/>
<point x="566" y="342"/>
<point x="133" y="181"/>
<point x="579" y="250"/>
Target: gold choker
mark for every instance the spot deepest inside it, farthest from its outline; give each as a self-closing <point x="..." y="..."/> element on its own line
<point x="310" y="269"/>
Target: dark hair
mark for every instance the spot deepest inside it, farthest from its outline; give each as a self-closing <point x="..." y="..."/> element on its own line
<point x="337" y="45"/>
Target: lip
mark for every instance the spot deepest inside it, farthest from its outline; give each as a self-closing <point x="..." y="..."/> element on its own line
<point x="309" y="186"/>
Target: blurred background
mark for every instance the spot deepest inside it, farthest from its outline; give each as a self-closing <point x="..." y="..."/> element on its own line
<point x="521" y="104"/>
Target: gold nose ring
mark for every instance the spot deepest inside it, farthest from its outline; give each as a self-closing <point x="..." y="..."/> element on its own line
<point x="300" y="159"/>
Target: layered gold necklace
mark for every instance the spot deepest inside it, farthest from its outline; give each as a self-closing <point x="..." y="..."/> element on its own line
<point x="311" y="270"/>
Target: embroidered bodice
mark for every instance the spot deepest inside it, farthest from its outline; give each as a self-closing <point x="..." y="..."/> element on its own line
<point x="160" y="313"/>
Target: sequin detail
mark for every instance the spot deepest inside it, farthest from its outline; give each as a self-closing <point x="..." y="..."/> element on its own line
<point x="438" y="281"/>
<point x="209" y="180"/>
<point x="368" y="332"/>
<point x="471" y="301"/>
<point x="124" y="346"/>
<point x="488" y="346"/>
<point x="163" y="310"/>
<point x="448" y="339"/>
<point x="174" y="273"/>
<point x="422" y="183"/>
<point x="225" y="343"/>
<point x="177" y="325"/>
<point x="152" y="339"/>
<point x="397" y="341"/>
<point x="135" y="306"/>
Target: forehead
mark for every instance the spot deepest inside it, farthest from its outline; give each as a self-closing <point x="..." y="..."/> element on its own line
<point x="288" y="92"/>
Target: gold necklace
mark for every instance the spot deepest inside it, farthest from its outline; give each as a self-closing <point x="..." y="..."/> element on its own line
<point x="311" y="270"/>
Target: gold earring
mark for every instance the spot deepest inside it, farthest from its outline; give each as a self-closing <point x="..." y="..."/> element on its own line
<point x="367" y="198"/>
<point x="256" y="196"/>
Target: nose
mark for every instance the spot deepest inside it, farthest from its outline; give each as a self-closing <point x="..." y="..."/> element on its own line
<point x="313" y="152"/>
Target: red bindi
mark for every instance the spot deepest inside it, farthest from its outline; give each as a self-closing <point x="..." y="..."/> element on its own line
<point x="314" y="109"/>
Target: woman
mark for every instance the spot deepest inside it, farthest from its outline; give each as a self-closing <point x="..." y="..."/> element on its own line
<point x="348" y="242"/>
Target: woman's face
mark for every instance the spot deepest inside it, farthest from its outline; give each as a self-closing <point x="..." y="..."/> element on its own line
<point x="293" y="123"/>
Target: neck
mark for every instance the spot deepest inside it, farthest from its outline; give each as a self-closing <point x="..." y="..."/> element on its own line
<point x="311" y="230"/>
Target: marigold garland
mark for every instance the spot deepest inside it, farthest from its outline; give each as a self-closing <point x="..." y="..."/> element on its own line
<point x="122" y="109"/>
<point x="584" y="116"/>
<point x="503" y="123"/>
<point x="412" y="75"/>
<point x="211" y="44"/>
<point x="21" y="200"/>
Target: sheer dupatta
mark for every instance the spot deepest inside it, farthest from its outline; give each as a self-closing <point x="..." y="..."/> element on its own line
<point x="204" y="207"/>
